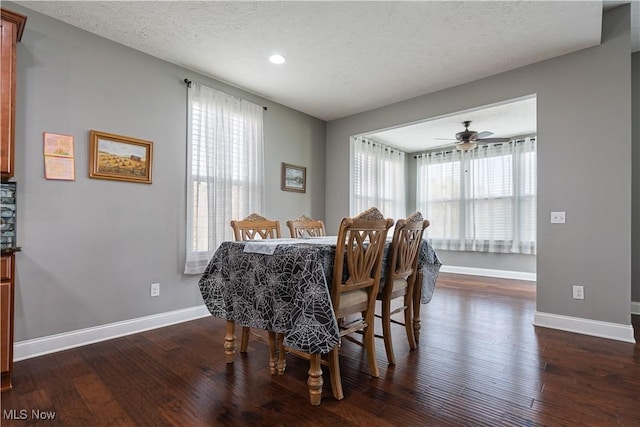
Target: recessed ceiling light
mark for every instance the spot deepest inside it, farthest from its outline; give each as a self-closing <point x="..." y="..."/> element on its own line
<point x="277" y="59"/>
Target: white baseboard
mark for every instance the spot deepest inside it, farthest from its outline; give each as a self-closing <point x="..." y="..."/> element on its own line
<point x="503" y="274"/>
<point x="614" y="331"/>
<point x="53" y="343"/>
<point x="507" y="274"/>
<point x="50" y="344"/>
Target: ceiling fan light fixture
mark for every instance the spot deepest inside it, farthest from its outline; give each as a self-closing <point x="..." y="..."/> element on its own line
<point x="466" y="145"/>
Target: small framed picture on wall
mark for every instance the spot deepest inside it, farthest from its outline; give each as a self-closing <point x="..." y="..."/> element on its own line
<point x="294" y="178"/>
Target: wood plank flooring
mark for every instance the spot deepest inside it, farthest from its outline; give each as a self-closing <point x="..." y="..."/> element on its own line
<point x="479" y="362"/>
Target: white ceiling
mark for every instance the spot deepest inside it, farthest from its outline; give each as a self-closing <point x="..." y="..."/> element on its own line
<point x="504" y="120"/>
<point x="346" y="57"/>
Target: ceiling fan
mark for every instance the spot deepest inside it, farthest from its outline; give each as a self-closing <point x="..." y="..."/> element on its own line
<point x="468" y="139"/>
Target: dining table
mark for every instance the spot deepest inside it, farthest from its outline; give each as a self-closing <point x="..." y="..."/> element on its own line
<point x="283" y="286"/>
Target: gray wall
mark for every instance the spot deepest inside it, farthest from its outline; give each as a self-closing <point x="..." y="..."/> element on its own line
<point x="584" y="167"/>
<point x="635" y="210"/>
<point x="91" y="248"/>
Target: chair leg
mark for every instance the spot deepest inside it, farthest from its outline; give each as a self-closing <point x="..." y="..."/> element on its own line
<point x="334" y="374"/>
<point x="370" y="346"/>
<point x="386" y="330"/>
<point x="417" y="296"/>
<point x="408" y="319"/>
<point x="244" y="341"/>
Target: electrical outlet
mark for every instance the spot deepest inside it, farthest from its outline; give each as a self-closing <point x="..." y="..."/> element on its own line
<point x="155" y="289"/>
<point x="578" y="292"/>
<point x="558" y="217"/>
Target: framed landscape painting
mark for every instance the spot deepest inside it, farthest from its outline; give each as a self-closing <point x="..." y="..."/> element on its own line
<point x="119" y="158"/>
<point x="294" y="178"/>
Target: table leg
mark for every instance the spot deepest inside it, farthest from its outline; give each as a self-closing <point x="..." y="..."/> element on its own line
<point x="282" y="362"/>
<point x="272" y="352"/>
<point x="315" y="379"/>
<point x="230" y="341"/>
<point x="417" y="296"/>
<point x="277" y="361"/>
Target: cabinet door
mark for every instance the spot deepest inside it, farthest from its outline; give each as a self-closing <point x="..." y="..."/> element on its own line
<point x="7" y="92"/>
<point x="5" y="324"/>
<point x="6" y="288"/>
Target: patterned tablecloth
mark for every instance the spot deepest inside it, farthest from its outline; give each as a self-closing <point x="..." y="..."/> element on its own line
<point x="284" y="287"/>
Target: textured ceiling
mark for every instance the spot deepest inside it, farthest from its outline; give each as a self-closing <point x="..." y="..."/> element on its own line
<point x="342" y="57"/>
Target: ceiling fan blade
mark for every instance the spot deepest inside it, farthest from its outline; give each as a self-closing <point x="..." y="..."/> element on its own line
<point x="484" y="134"/>
<point x="445" y="139"/>
<point x="493" y="139"/>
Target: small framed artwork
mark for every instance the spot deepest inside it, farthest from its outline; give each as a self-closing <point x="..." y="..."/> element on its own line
<point x="294" y="178"/>
<point x="119" y="158"/>
<point x="59" y="160"/>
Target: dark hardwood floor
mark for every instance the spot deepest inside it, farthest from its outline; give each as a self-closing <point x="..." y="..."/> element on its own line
<point x="480" y="362"/>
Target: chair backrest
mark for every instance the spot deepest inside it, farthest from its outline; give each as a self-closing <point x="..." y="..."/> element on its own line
<point x="405" y="246"/>
<point x="358" y="258"/>
<point x="255" y="227"/>
<point x="304" y="226"/>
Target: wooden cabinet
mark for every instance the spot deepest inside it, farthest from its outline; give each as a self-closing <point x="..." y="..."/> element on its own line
<point x="7" y="272"/>
<point x="11" y="32"/>
<point x="12" y="27"/>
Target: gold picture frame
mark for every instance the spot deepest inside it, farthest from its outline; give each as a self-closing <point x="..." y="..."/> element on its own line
<point x="119" y="158"/>
<point x="294" y="178"/>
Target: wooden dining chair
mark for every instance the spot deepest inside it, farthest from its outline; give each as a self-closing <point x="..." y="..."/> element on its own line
<point x="255" y="227"/>
<point x="250" y="228"/>
<point x="304" y="226"/>
<point x="400" y="278"/>
<point x="356" y="278"/>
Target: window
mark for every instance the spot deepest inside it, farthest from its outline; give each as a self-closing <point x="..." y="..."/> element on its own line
<point x="377" y="178"/>
<point x="225" y="174"/>
<point x="481" y="200"/>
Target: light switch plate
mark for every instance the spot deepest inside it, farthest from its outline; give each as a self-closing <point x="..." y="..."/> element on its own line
<point x="155" y="289"/>
<point x="558" y="217"/>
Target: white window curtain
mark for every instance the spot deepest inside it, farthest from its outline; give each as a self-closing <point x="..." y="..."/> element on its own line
<point x="377" y="178"/>
<point x="225" y="169"/>
<point x="480" y="200"/>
